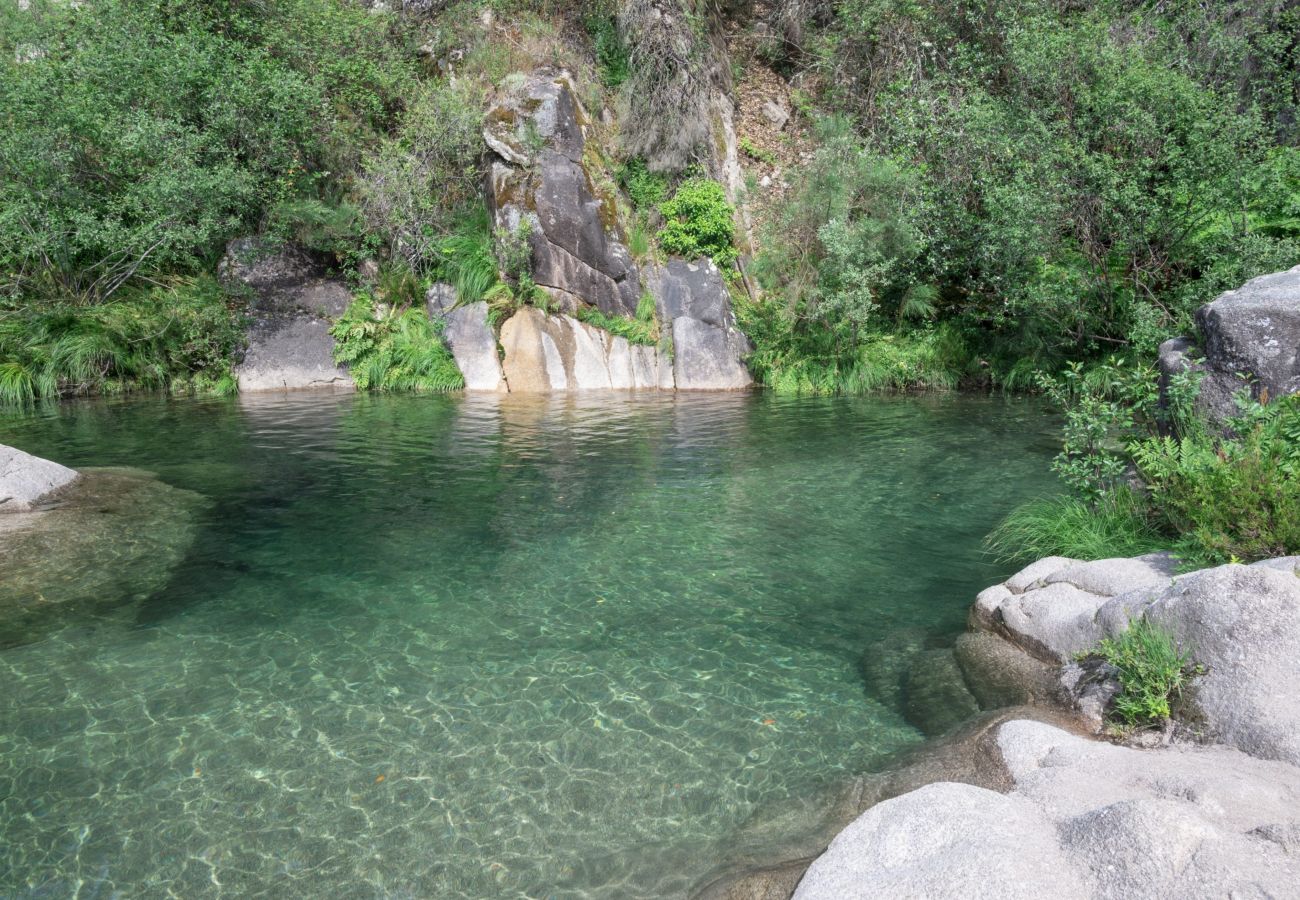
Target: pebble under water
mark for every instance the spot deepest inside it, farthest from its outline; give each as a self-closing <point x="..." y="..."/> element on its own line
<point x="492" y="647"/>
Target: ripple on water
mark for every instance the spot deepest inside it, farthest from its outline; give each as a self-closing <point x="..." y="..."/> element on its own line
<point x="482" y="647"/>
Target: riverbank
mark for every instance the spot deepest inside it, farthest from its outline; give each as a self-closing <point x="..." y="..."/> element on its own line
<point x="1065" y="807"/>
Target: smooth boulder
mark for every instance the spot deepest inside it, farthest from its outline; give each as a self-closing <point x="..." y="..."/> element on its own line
<point x="1250" y="341"/>
<point x="469" y="335"/>
<point x="26" y="480"/>
<point x="1082" y="819"/>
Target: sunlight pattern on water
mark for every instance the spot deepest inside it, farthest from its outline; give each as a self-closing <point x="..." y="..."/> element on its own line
<point x="491" y="647"/>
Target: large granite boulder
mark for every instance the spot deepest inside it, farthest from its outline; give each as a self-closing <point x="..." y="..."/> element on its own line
<point x="1250" y="341"/>
<point x="1081" y="819"/>
<point x="26" y="480"/>
<point x="1242" y="624"/>
<point x="93" y="551"/>
<point x="291" y="307"/>
<point x="539" y="176"/>
<point x="559" y="353"/>
<point x="469" y="334"/>
<point x="1050" y="608"/>
<point x="691" y="299"/>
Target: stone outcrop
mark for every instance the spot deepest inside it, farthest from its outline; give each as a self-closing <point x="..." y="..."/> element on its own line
<point x="26" y="480"/>
<point x="546" y="179"/>
<point x="1250" y="341"/>
<point x="289" y="344"/>
<point x="92" y="551"/>
<point x="469" y="334"/>
<point x="1051" y="608"/>
<point x="1082" y="819"/>
<point x="559" y="353"/>
<point x="539" y="177"/>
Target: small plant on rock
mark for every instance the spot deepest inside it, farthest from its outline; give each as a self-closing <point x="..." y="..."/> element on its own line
<point x="1153" y="671"/>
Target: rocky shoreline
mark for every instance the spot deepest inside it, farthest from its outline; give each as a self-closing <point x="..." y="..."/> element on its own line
<point x="1039" y="801"/>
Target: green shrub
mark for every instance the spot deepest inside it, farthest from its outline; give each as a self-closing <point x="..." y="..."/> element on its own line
<point x="1229" y="498"/>
<point x="1153" y="671"/>
<point x="467" y="259"/>
<point x="149" y="132"/>
<point x="418" y="186"/>
<point x="393" y="348"/>
<point x="698" y="221"/>
<point x="1113" y="525"/>
<point x="610" y="51"/>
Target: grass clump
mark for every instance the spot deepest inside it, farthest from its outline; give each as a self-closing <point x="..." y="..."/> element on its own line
<point x="1153" y="671"/>
<point x="393" y="348"/>
<point x="179" y="337"/>
<point x="1065" y="525"/>
<point x="636" y="330"/>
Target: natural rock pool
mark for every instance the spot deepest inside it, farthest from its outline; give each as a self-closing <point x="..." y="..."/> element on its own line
<point x="493" y="647"/>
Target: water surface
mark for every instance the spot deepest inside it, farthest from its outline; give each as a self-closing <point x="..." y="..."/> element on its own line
<point x="481" y="647"/>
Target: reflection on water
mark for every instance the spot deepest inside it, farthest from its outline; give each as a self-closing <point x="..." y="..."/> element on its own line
<point x="492" y="647"/>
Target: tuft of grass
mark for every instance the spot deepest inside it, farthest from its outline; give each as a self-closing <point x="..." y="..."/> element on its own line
<point x="1069" y="526"/>
<point x="637" y="331"/>
<point x="467" y="260"/>
<point x="1153" y="671"/>
<point x="393" y="348"/>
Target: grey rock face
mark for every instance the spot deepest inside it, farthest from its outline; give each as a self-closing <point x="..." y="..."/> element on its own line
<point x="537" y="133"/>
<point x="25" y="480"/>
<point x="1052" y="608"/>
<point x="944" y="840"/>
<point x="467" y="332"/>
<point x="708" y="358"/>
<point x="290" y="353"/>
<point x="289" y="344"/>
<point x="1251" y="342"/>
<point x="1243" y="624"/>
<point x="1082" y="819"/>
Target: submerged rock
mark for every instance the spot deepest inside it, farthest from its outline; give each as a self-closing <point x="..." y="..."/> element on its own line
<point x="25" y="480"/>
<point x="1251" y="342"/>
<point x="109" y="540"/>
<point x="289" y="344"/>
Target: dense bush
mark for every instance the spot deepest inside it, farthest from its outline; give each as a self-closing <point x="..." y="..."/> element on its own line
<point x="138" y="136"/>
<point x="698" y="221"/>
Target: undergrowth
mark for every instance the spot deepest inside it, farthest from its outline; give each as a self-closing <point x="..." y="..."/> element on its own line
<point x="393" y="348"/>
<point x="640" y="330"/>
<point x="179" y="337"/>
<point x="1065" y="525"/>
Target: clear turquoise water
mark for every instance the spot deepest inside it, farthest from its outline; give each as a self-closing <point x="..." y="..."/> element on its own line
<point x="460" y="647"/>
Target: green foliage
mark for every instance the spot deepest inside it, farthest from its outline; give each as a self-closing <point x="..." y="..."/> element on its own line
<point x="181" y="336"/>
<point x="698" y="221"/>
<point x="1114" y="524"/>
<point x="610" y="51"/>
<point x="1103" y="405"/>
<point x="1232" y="499"/>
<point x="467" y="259"/>
<point x="757" y="153"/>
<point x="393" y="348"/>
<point x="637" y="330"/>
<point x="139" y="136"/>
<point x="644" y="188"/>
<point x="419" y="185"/>
<point x="1153" y="671"/>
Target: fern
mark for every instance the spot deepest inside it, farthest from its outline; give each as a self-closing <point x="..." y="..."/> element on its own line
<point x="393" y="349"/>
